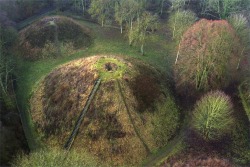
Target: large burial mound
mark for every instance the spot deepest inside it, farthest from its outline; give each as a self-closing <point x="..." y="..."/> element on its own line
<point x="132" y="112"/>
<point x="208" y="55"/>
<point x="53" y="36"/>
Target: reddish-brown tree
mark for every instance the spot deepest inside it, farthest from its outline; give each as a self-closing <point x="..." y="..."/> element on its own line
<point x="207" y="57"/>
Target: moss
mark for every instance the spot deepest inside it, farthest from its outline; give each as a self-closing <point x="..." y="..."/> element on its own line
<point x="110" y="68"/>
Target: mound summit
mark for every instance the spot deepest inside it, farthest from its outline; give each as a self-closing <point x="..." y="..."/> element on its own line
<point x="132" y="113"/>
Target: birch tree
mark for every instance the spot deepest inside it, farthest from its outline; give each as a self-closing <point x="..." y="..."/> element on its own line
<point x="101" y="9"/>
<point x="142" y="29"/>
<point x="223" y="8"/>
<point x="121" y="12"/>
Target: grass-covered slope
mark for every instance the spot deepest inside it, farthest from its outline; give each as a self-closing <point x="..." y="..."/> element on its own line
<point x="132" y="114"/>
<point x="53" y="36"/>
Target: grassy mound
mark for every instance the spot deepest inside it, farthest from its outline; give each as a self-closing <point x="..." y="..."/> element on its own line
<point x="53" y="36"/>
<point x="131" y="109"/>
<point x="208" y="56"/>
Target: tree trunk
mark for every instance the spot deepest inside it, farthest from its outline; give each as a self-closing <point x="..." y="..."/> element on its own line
<point x="57" y="41"/>
<point x="142" y="49"/>
<point x="162" y="2"/>
<point x="173" y="33"/>
<point x="121" y="25"/>
<point x="83" y="7"/>
<point x="178" y="52"/>
<point x="102" y="22"/>
<point x="131" y="24"/>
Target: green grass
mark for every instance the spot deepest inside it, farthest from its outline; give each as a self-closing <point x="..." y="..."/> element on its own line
<point x="107" y="41"/>
<point x="106" y="75"/>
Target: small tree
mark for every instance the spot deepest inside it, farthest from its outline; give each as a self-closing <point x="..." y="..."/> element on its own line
<point x="222" y="8"/>
<point x="179" y="22"/>
<point x="121" y="12"/>
<point x="177" y="4"/>
<point x="101" y="9"/>
<point x="240" y="24"/>
<point x="132" y="6"/>
<point x="141" y="31"/>
<point x="212" y="116"/>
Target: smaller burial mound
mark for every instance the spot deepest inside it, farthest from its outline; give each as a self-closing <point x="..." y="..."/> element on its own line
<point x="53" y="36"/>
<point x="208" y="55"/>
<point x="131" y="114"/>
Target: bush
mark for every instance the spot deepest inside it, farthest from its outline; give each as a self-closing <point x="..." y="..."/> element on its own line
<point x="55" y="157"/>
<point x="166" y="121"/>
<point x="212" y="116"/>
<point x="179" y="22"/>
<point x="208" y="56"/>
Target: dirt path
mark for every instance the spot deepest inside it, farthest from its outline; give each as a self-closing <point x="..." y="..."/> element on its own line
<point x="163" y="153"/>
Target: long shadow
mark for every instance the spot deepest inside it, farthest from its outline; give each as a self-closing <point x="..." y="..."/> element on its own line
<point x="70" y="141"/>
<point x="131" y="119"/>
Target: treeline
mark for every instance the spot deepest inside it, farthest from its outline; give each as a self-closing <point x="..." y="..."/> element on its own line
<point x="138" y="18"/>
<point x="12" y="138"/>
<point x="18" y="10"/>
